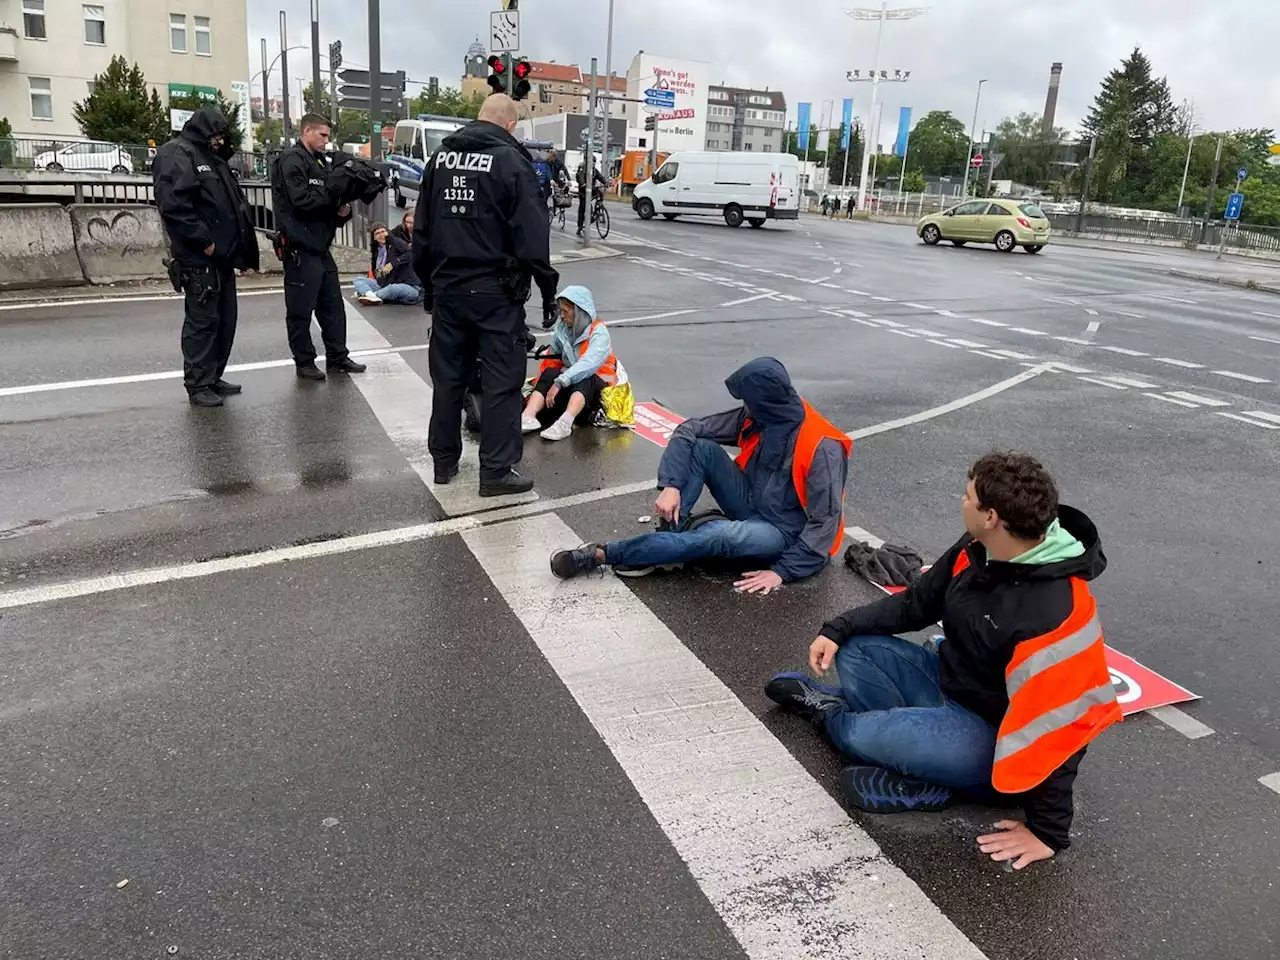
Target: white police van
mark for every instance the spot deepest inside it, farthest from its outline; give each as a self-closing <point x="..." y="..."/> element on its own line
<point x="415" y="141"/>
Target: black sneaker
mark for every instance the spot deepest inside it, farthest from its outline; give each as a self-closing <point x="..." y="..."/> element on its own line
<point x="567" y="564"/>
<point x="634" y="573"/>
<point x="511" y="484"/>
<point x="309" y="371"/>
<point x="205" y="398"/>
<point x="345" y="365"/>
<point x="445" y="475"/>
<point x="224" y="389"/>
<point x="877" y="790"/>
<point x="796" y="693"/>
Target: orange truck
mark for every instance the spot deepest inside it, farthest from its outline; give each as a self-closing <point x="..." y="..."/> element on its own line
<point x="636" y="169"/>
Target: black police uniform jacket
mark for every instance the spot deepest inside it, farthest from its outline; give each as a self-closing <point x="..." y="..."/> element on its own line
<point x="481" y="214"/>
<point x="306" y="210"/>
<point x="987" y="607"/>
<point x="199" y="199"/>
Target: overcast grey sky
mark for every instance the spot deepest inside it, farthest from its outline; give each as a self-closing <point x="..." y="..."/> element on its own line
<point x="803" y="47"/>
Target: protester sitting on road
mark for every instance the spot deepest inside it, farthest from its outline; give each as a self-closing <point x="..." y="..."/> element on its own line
<point x="405" y="230"/>
<point x="781" y="501"/>
<point x="1011" y="696"/>
<point x="391" y="277"/>
<point x="563" y="396"/>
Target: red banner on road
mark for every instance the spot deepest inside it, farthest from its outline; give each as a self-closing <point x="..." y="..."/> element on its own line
<point x="655" y="423"/>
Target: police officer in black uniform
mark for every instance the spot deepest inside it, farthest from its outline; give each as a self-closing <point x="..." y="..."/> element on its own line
<point x="480" y="239"/>
<point x="210" y="237"/>
<point x="308" y="218"/>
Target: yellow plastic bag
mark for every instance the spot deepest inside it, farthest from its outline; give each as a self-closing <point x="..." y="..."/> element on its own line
<point x="619" y="405"/>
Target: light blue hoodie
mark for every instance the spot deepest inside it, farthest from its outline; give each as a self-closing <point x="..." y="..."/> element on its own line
<point x="565" y="341"/>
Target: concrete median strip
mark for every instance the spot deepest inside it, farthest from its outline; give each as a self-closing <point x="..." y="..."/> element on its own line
<point x="37" y="247"/>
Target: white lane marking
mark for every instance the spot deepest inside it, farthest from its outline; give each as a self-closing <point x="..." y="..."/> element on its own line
<point x="1265" y="339"/>
<point x="1013" y="355"/>
<point x="944" y="343"/>
<point x="1067" y="367"/>
<point x="1091" y="312"/>
<point x="820" y="280"/>
<point x="1126" y="313"/>
<point x="945" y="408"/>
<point x="1164" y="296"/>
<point x="864" y="536"/>
<point x="1028" y="331"/>
<point x="1186" y="364"/>
<point x="857" y="293"/>
<point x="1269" y="417"/>
<point x="651" y="316"/>
<point x="95" y="301"/>
<point x="989" y="323"/>
<point x="904" y="333"/>
<point x="1126" y="352"/>
<point x="1241" y="376"/>
<point x="1196" y="398"/>
<point x="1249" y="420"/>
<point x="987" y="353"/>
<point x="1183" y="722"/>
<point x="853" y="313"/>
<point x="892" y="324"/>
<point x="751" y="823"/>
<point x="177" y="374"/>
<point x="760" y="296"/>
<point x="830" y="286"/>
<point x="1271" y="781"/>
<point x="1083" y="343"/>
<point x="948" y="313"/>
<point x="924" y="332"/>
<point x="1181" y="403"/>
<point x="884" y="299"/>
<point x="966" y="343"/>
<point x="1103" y="383"/>
<point x="326" y="548"/>
<point x="1131" y="382"/>
<point x="916" y="306"/>
<point x="865" y="323"/>
<point x="838" y="270"/>
<point x="1272" y="316"/>
<point x="1093" y="326"/>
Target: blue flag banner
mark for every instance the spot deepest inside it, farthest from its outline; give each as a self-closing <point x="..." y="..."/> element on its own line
<point x="803" y="123"/>
<point x="846" y="124"/>
<point x="904" y="131"/>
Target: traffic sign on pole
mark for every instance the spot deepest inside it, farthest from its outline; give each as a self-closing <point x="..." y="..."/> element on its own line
<point x="656" y="100"/>
<point x="977" y="160"/>
<point x="1235" y="203"/>
<point x="1242" y="173"/>
<point x="504" y="31"/>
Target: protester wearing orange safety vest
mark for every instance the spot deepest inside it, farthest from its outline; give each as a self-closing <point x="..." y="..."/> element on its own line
<point x="780" y="502"/>
<point x="1002" y="710"/>
<point x="581" y="363"/>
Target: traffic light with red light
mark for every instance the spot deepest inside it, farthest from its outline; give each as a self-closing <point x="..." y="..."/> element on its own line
<point x="520" y="72"/>
<point x="498" y="74"/>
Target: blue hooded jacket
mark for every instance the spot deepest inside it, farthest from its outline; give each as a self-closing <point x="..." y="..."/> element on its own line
<point x="776" y="412"/>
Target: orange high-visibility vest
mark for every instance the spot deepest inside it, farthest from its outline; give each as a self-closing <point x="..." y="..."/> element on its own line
<point x="813" y="430"/>
<point x="1060" y="695"/>
<point x="608" y="371"/>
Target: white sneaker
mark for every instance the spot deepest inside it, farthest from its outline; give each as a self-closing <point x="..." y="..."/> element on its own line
<point x="559" y="430"/>
<point x="529" y="425"/>
<point x="370" y="299"/>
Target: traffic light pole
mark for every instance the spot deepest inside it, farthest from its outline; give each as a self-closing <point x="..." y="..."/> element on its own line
<point x="317" y="85"/>
<point x="375" y="81"/>
<point x="589" y="181"/>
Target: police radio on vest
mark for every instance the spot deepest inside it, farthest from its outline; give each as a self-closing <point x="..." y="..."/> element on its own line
<point x="452" y="160"/>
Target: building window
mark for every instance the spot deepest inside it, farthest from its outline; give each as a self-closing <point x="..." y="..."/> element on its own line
<point x="204" y="37"/>
<point x="41" y="98"/>
<point x="95" y="25"/>
<point x="33" y="20"/>
<point x="768" y="149"/>
<point x="178" y="32"/>
<point x="746" y="146"/>
<point x="92" y="86"/>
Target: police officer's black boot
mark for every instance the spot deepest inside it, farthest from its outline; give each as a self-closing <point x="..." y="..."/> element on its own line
<point x="309" y="371"/>
<point x="205" y="397"/>
<point x="507" y="486"/>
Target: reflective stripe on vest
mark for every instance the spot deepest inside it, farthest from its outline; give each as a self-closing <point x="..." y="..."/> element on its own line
<point x="813" y="430"/>
<point x="608" y="371"/>
<point x="1060" y="697"/>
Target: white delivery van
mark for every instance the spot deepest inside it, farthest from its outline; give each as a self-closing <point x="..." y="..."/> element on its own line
<point x="754" y="187"/>
<point x="414" y="143"/>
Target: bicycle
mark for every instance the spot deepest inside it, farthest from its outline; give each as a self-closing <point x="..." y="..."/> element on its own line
<point x="600" y="214"/>
<point x="558" y="202"/>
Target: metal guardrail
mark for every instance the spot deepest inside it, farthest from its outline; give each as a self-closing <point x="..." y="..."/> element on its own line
<point x="1190" y="233"/>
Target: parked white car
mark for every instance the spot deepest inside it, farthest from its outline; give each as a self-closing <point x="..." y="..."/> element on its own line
<point x="90" y="155"/>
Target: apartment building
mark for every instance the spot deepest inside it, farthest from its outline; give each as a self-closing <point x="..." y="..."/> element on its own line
<point x="745" y="120"/>
<point x="50" y="51"/>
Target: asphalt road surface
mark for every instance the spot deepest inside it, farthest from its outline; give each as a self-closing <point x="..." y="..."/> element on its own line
<point x="265" y="693"/>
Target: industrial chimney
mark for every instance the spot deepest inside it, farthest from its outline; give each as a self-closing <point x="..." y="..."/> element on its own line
<point x="1051" y="101"/>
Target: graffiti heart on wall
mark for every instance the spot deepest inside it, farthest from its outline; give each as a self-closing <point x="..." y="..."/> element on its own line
<point x="118" y="233"/>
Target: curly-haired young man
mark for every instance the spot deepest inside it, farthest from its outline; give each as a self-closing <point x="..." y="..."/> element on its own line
<point x="1008" y="700"/>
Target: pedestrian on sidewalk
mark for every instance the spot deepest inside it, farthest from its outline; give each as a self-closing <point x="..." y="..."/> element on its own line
<point x="781" y="501"/>
<point x="308" y="218"/>
<point x="481" y="240"/>
<point x="849" y="207"/>
<point x="999" y="711"/>
<point x="211" y="237"/>
<point x="391" y="278"/>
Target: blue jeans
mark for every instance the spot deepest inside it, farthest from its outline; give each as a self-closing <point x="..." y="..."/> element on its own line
<point x="391" y="293"/>
<point x="899" y="719"/>
<point x="743" y="535"/>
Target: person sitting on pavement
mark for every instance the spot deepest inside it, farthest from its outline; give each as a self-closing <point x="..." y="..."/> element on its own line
<point x="405" y="230"/>
<point x="391" y="277"/>
<point x="781" y="501"/>
<point x="1000" y="711"/>
<point x="567" y="395"/>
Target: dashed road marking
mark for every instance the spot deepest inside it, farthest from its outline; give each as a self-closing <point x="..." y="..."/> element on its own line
<point x="1272" y="316"/>
<point x="1103" y="383"/>
<point x="944" y="343"/>
<point x="891" y="300"/>
<point x="989" y="323"/>
<point x="1163" y="296"/>
<point x="1014" y="355"/>
<point x="1269" y="417"/>
<point x="1079" y="340"/>
<point x="1184" y="723"/>
<point x="1181" y="403"/>
<point x="1028" y="331"/>
<point x="857" y="293"/>
<point x="948" y="313"/>
<point x="1266" y="339"/>
<point x="916" y="306"/>
<point x="893" y="324"/>
<point x="1196" y="398"/>
<point x="1093" y="326"/>
<point x="904" y="333"/>
<point x="925" y="332"/>
<point x="1126" y="352"/>
<point x="651" y="316"/>
<point x="966" y="343"/>
<point x="1131" y="382"/>
<point x="1249" y="420"/>
<point x="1126" y="313"/>
<point x="1241" y="376"/>
<point x="1090" y="311"/>
<point x="760" y="296"/>
<point x="1185" y="364"/>
<point x="1271" y="781"/>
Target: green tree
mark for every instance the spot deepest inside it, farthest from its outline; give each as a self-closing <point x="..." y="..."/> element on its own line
<point x="122" y="108"/>
<point x="448" y="102"/>
<point x="6" y="144"/>
<point x="939" y="144"/>
<point x="1027" y="152"/>
<point x="1149" y="105"/>
<point x="835" y="157"/>
<point x="269" y="132"/>
<point x="913" y="182"/>
<point x="228" y="108"/>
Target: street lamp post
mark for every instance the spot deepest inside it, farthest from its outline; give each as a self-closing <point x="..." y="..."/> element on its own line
<point x="316" y="83"/>
<point x="883" y="14"/>
<point x="284" y="71"/>
<point x="608" y="92"/>
<point x="266" y="94"/>
<point x="968" y="153"/>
